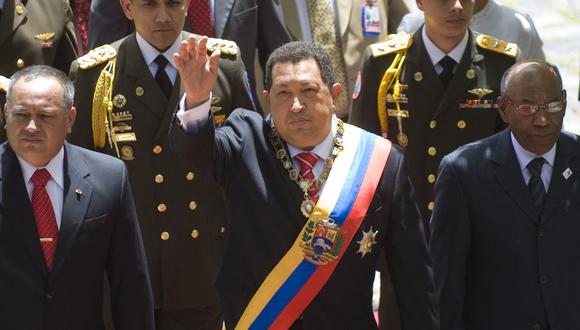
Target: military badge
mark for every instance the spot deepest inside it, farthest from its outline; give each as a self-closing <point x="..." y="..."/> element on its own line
<point x="418" y="76"/>
<point x="218" y="120"/>
<point x="122" y="116"/>
<point x="367" y="241"/>
<point x="320" y="241"/>
<point x="119" y="101"/>
<point x="125" y="137"/>
<point x="45" y="38"/>
<point x="470" y="74"/>
<point x="127" y="153"/>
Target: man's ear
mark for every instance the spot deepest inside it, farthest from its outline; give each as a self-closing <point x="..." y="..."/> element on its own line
<point x="266" y="96"/>
<point x="420" y="5"/>
<point x="502" y="108"/>
<point x="126" y="6"/>
<point x="335" y="91"/>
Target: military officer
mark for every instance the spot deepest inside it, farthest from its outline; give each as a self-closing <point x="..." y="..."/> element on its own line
<point x="431" y="93"/>
<point x="126" y="94"/>
<point x="35" y="32"/>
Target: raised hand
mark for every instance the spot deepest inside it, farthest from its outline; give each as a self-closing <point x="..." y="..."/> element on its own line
<point x="197" y="70"/>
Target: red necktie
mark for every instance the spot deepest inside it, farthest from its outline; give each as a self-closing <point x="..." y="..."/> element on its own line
<point x="44" y="215"/>
<point x="307" y="160"/>
<point x="200" y="17"/>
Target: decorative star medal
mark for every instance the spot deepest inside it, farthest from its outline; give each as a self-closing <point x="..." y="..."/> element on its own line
<point x="307" y="206"/>
<point x="367" y="241"/>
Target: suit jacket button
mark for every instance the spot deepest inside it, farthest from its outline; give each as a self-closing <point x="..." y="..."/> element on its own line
<point x="161" y="207"/>
<point x="431" y="205"/>
<point x="195" y="233"/>
<point x="189" y="176"/>
<point x="432" y="151"/>
<point x="537" y="326"/>
<point x="157" y="149"/>
<point x="433" y="123"/>
<point x="544" y="279"/>
<point x="159" y="178"/>
<point x="49" y="295"/>
<point x="165" y="236"/>
<point x="20" y="63"/>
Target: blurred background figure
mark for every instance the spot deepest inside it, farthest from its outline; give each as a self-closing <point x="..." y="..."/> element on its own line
<point x="347" y="29"/>
<point x="81" y="10"/>
<point x="494" y="19"/>
<point x="256" y="26"/>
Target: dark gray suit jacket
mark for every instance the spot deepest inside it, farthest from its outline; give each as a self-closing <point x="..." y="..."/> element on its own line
<point x="99" y="233"/>
<point x="498" y="264"/>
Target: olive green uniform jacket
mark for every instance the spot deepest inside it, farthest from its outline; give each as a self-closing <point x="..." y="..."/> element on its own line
<point x="181" y="212"/>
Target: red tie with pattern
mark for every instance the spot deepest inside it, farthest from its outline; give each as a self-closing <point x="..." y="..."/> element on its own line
<point x="44" y="215"/>
<point x="307" y="160"/>
<point x="200" y="17"/>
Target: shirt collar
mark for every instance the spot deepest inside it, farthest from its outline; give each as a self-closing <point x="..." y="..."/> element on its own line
<point x="525" y="157"/>
<point x="150" y="53"/>
<point x="321" y="150"/>
<point x="436" y="54"/>
<point x="54" y="167"/>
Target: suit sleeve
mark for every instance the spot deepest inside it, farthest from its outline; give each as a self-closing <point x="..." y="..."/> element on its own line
<point x="128" y="274"/>
<point x="82" y="134"/>
<point x="107" y="23"/>
<point x="449" y="246"/>
<point x="408" y="257"/>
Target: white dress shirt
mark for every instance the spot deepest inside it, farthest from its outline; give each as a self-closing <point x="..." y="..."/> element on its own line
<point x="436" y="54"/>
<point x="150" y="54"/>
<point x="525" y="157"/>
<point x="54" y="186"/>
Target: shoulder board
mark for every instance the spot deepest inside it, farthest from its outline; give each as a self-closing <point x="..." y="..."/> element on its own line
<point x="393" y="43"/>
<point x="4" y="84"/>
<point x="497" y="45"/>
<point x="97" y="56"/>
<point x="226" y="47"/>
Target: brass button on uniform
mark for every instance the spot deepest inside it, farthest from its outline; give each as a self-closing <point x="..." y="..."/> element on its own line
<point x="433" y="123"/>
<point x="165" y="236"/>
<point x="461" y="124"/>
<point x="432" y="151"/>
<point x="189" y="176"/>
<point x="161" y="207"/>
<point x="19" y="9"/>
<point x="157" y="149"/>
<point x="431" y="178"/>
<point x="20" y="63"/>
<point x="430" y="206"/>
<point x="194" y="233"/>
<point x="139" y="91"/>
<point x="159" y="178"/>
<point x="222" y="230"/>
<point x="192" y="205"/>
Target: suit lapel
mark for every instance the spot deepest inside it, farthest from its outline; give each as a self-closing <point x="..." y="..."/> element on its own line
<point x="77" y="195"/>
<point x="17" y="208"/>
<point x="559" y="185"/>
<point x="136" y="69"/>
<point x="224" y="8"/>
<point x="10" y="18"/>
<point x="509" y="175"/>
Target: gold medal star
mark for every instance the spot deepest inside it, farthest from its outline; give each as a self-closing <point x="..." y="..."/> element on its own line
<point x="367" y="242"/>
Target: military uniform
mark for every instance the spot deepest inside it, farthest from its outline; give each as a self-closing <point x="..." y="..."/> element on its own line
<point x="181" y="213"/>
<point x="433" y="120"/>
<point x="35" y="32"/>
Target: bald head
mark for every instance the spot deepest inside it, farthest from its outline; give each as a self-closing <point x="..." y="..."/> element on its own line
<point x="536" y="72"/>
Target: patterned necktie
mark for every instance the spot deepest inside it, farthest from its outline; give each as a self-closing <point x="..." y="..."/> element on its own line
<point x="307" y="160"/>
<point x="161" y="76"/>
<point x="44" y="216"/>
<point x="200" y="18"/>
<point x="448" y="64"/>
<point x="536" y="186"/>
<point x="323" y="28"/>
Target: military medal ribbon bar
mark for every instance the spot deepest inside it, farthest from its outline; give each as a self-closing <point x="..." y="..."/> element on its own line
<point x="309" y="263"/>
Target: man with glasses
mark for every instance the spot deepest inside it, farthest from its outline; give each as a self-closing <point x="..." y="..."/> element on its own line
<point x="506" y="222"/>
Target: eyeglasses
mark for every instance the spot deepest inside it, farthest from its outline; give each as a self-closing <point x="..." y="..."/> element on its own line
<point x="532" y="109"/>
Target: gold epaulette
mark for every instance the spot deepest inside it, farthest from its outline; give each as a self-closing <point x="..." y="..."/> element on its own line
<point x="97" y="56"/>
<point x="497" y="45"/>
<point x="226" y="47"/>
<point x="4" y="84"/>
<point x="393" y="43"/>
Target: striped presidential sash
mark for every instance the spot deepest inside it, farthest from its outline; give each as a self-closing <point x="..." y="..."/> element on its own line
<point x="309" y="263"/>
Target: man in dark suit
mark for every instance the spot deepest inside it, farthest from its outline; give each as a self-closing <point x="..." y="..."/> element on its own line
<point x="181" y="211"/>
<point x="507" y="215"/>
<point x="273" y="204"/>
<point x="252" y="24"/>
<point x="437" y="91"/>
<point x="66" y="217"/>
